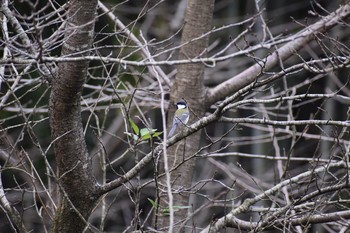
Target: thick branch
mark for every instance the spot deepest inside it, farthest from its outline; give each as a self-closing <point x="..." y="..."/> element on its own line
<point x="251" y="74"/>
<point x="284" y="123"/>
<point x="234" y="222"/>
<point x="230" y="218"/>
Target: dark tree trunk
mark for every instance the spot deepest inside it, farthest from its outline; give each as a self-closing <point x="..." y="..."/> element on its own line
<point x="75" y="179"/>
<point x="188" y="85"/>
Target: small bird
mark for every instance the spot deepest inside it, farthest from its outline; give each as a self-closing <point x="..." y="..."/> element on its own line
<point x="182" y="115"/>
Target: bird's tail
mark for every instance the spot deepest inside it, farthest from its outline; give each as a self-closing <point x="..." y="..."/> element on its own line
<point x="172" y="131"/>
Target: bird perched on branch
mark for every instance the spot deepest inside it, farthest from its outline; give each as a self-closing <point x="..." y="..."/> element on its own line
<point x="182" y="115"/>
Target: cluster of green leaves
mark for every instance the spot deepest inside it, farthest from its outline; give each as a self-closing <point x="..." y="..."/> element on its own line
<point x="142" y="134"/>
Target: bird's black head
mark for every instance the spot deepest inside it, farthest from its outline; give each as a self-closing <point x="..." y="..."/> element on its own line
<point x="181" y="104"/>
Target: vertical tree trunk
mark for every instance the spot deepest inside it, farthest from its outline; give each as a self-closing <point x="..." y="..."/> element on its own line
<point x="188" y="85"/>
<point x="76" y="183"/>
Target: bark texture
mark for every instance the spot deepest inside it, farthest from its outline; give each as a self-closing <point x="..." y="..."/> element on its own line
<point x="75" y="179"/>
<point x="189" y="86"/>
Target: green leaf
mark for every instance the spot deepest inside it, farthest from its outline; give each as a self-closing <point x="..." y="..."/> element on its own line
<point x="145" y="134"/>
<point x="144" y="131"/>
<point x="134" y="127"/>
<point x="156" y="134"/>
<point x="166" y="211"/>
<point x="153" y="203"/>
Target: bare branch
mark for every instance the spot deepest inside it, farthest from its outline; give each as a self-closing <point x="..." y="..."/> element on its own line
<point x="252" y="74"/>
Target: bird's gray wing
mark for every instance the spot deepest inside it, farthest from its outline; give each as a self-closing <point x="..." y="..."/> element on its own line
<point x="182" y="119"/>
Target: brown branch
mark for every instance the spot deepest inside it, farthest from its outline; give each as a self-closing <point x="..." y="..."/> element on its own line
<point x="284" y="123"/>
<point x="10" y="211"/>
<point x="251" y="74"/>
<point x="237" y="223"/>
<point x="230" y="218"/>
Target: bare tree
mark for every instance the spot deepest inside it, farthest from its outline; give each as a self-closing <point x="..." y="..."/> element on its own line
<point x="267" y="145"/>
<point x="72" y="157"/>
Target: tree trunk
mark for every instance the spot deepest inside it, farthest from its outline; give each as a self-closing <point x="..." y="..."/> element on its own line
<point x="75" y="179"/>
<point x="189" y="86"/>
